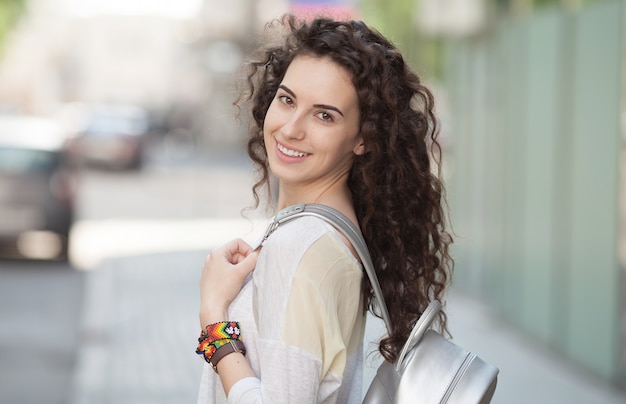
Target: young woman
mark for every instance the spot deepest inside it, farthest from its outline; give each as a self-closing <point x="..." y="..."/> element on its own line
<point x="341" y="120"/>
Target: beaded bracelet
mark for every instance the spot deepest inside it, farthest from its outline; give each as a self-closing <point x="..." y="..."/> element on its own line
<point x="215" y="336"/>
<point x="222" y="330"/>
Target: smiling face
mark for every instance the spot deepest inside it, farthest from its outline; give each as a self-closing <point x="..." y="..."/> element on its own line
<point x="311" y="129"/>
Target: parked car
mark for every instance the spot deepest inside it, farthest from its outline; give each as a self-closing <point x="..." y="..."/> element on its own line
<point x="114" y="136"/>
<point x="37" y="189"/>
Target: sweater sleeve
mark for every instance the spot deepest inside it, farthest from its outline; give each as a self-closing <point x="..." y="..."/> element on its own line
<point x="246" y="390"/>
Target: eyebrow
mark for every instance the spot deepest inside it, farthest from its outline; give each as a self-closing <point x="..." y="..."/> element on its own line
<point x="324" y="106"/>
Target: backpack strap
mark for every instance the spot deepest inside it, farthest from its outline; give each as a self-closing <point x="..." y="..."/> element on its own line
<point x="345" y="226"/>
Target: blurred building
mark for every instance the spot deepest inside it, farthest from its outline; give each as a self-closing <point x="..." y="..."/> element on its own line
<point x="31" y="68"/>
<point x="61" y="54"/>
<point x="537" y="181"/>
<point x="451" y="18"/>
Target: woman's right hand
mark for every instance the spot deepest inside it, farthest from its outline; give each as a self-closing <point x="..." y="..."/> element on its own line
<point x="223" y="274"/>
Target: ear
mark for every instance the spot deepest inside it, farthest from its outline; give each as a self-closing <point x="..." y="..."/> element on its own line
<point x="359" y="149"/>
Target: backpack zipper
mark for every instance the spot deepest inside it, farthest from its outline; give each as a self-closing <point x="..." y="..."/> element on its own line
<point x="469" y="357"/>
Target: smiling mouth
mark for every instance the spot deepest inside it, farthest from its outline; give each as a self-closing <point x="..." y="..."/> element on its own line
<point x="289" y="152"/>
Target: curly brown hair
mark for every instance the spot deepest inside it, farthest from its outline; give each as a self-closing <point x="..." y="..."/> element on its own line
<point x="398" y="195"/>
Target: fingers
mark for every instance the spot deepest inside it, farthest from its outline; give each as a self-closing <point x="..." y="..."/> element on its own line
<point x="223" y="275"/>
<point x="247" y="264"/>
<point x="235" y="251"/>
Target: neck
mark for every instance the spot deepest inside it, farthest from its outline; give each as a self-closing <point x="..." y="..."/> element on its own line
<point x="335" y="194"/>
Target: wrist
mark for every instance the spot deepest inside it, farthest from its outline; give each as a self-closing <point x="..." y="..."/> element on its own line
<point x="212" y="314"/>
<point x="219" y="340"/>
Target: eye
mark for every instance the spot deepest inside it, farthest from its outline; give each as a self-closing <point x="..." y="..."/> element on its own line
<point x="325" y="116"/>
<point x="285" y="99"/>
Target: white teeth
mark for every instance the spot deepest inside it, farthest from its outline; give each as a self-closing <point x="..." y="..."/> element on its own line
<point x="289" y="152"/>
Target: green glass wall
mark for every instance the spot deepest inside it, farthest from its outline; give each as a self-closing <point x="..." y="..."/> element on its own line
<point x="534" y="184"/>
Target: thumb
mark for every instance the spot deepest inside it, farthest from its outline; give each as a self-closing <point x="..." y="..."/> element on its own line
<point x="247" y="264"/>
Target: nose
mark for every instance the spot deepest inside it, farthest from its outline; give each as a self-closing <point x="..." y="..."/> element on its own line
<point x="294" y="127"/>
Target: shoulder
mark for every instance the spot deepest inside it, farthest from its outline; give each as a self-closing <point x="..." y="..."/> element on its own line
<point x="297" y="235"/>
<point x="307" y="244"/>
<point x="285" y="247"/>
<point x="328" y="257"/>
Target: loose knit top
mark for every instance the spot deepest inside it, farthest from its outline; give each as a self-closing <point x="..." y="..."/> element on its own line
<point x="302" y="320"/>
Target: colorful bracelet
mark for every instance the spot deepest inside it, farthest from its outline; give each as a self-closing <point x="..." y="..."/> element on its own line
<point x="216" y="336"/>
<point x="222" y="330"/>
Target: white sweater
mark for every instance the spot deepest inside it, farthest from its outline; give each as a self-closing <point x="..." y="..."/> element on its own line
<point x="302" y="322"/>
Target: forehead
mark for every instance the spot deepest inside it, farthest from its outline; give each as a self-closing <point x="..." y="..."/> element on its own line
<point x="319" y="77"/>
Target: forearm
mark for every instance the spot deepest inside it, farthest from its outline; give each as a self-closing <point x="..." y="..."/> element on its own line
<point x="234" y="366"/>
<point x="223" y="275"/>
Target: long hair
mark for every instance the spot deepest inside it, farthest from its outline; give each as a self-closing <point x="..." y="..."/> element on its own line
<point x="399" y="198"/>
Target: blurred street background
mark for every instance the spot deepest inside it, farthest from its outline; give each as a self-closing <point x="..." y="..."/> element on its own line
<point x="122" y="164"/>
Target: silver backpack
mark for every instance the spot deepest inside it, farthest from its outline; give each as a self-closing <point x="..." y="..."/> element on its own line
<point x="430" y="368"/>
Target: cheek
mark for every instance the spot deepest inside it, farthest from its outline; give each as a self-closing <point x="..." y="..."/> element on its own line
<point x="269" y="123"/>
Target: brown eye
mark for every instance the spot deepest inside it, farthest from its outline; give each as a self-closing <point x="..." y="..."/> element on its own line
<point x="285" y="99"/>
<point x="325" y="116"/>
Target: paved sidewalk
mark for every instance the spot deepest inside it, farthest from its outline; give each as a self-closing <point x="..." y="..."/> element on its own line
<point x="140" y="327"/>
<point x="529" y="372"/>
<point x="139" y="331"/>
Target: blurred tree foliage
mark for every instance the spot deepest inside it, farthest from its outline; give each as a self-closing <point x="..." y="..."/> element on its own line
<point x="395" y="20"/>
<point x="526" y="5"/>
<point x="10" y="10"/>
